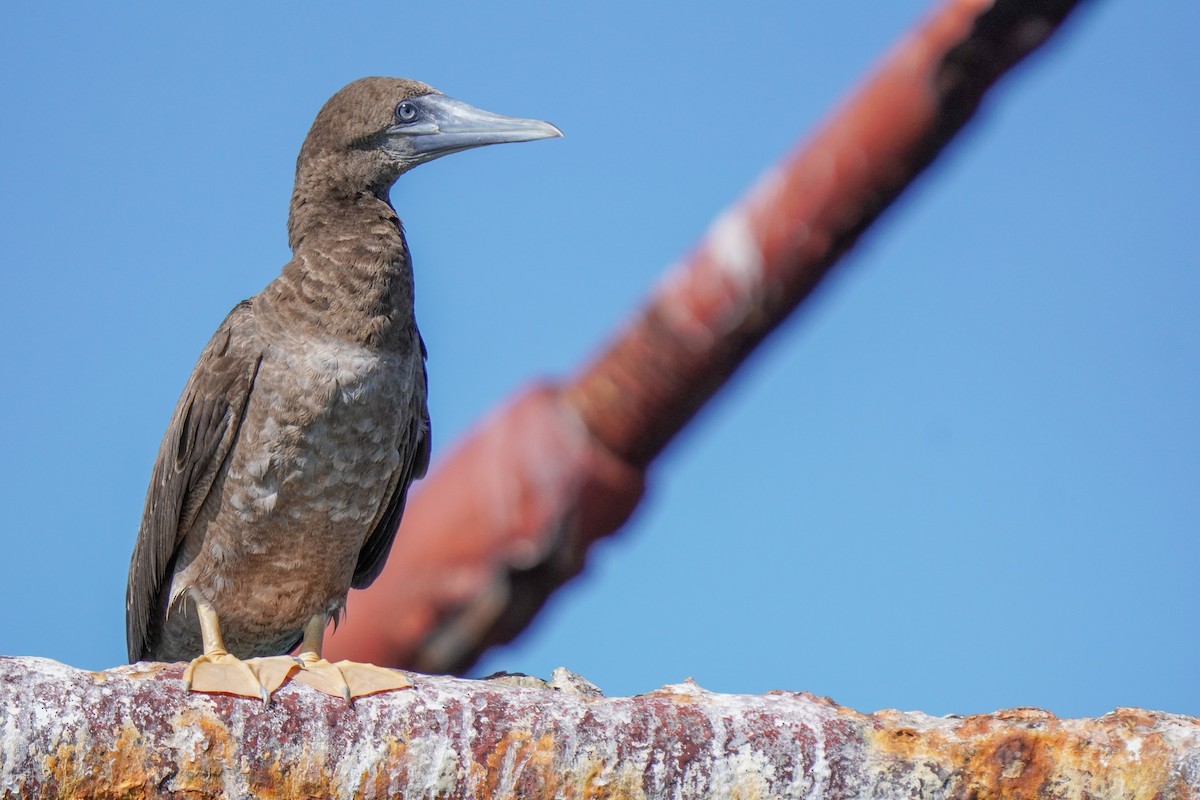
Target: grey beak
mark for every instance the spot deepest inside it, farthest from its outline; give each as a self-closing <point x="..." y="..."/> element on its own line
<point x="443" y="125"/>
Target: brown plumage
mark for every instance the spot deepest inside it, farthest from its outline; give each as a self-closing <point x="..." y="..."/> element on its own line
<point x="283" y="473"/>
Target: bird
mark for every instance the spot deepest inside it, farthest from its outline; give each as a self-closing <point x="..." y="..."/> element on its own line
<point x="282" y="475"/>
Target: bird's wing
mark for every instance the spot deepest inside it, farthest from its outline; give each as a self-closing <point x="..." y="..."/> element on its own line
<point x="414" y="461"/>
<point x="196" y="445"/>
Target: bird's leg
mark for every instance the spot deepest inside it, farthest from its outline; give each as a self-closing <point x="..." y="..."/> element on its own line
<point x="217" y="670"/>
<point x="346" y="679"/>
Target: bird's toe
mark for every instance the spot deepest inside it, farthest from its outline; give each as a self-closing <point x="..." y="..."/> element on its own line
<point x="350" y="679"/>
<point x="273" y="671"/>
<point x="226" y="673"/>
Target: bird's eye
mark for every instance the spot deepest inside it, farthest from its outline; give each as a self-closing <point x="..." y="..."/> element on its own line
<point x="406" y="112"/>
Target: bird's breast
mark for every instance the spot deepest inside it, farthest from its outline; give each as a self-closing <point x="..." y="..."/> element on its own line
<point x="321" y="439"/>
<point x="314" y="465"/>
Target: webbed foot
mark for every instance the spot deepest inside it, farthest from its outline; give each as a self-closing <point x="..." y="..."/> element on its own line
<point x="347" y="679"/>
<point x="219" y="671"/>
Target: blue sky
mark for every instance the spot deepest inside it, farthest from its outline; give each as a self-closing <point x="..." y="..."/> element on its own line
<point x="966" y="476"/>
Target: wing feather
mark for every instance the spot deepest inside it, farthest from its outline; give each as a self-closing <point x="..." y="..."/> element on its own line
<point x="414" y="461"/>
<point x="196" y="445"/>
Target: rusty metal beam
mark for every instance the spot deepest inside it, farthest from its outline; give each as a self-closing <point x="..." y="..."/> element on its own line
<point x="132" y="733"/>
<point x="508" y="516"/>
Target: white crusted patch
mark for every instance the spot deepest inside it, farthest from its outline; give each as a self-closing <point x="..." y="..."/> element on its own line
<point x="735" y="250"/>
<point x="194" y="743"/>
<point x="706" y="298"/>
<point x="1134" y="746"/>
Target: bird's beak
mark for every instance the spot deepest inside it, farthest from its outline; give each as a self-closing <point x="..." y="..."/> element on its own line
<point x="444" y="125"/>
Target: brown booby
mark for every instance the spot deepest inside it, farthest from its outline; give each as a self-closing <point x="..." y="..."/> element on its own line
<point x="281" y="478"/>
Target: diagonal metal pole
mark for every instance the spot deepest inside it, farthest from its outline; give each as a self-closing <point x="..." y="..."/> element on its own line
<point x="508" y="515"/>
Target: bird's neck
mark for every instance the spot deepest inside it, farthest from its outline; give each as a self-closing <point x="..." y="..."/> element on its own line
<point x="350" y="273"/>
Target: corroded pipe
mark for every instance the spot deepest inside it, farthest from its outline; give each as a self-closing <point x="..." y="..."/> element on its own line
<point x="131" y="733"/>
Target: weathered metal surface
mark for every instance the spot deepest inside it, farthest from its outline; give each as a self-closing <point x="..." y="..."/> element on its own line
<point x="132" y="732"/>
<point x="508" y="517"/>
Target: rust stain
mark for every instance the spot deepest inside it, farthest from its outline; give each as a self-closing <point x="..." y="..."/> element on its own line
<point x="61" y="766"/>
<point x="394" y="762"/>
<point x="1015" y="766"/>
<point x="1029" y="753"/>
<point x="541" y="776"/>
<point x="590" y="777"/>
<point x="129" y="761"/>
<point x="1136" y="761"/>
<point x="1025" y="714"/>
<point x="524" y="766"/>
<point x="200" y="770"/>
<point x="595" y="781"/>
<point x="297" y="770"/>
<point x="125" y="773"/>
<point x="544" y="752"/>
<point x="492" y="771"/>
<point x="280" y="778"/>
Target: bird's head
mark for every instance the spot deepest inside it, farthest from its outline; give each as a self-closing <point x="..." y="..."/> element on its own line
<point x="375" y="129"/>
